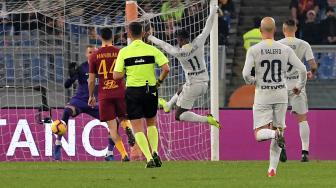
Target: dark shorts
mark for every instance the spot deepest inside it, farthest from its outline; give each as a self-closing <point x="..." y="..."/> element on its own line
<point x="141" y="103"/>
<point x="111" y="108"/>
<point x="82" y="107"/>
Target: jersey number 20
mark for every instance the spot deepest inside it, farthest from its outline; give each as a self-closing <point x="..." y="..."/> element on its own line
<point x="275" y="67"/>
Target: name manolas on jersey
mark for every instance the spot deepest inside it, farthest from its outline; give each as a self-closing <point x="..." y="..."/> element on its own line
<point x="270" y="59"/>
<point x="102" y="63"/>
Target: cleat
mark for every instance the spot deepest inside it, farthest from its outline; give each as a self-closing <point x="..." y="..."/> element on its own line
<point x="57" y="152"/>
<point x="109" y="158"/>
<point x="305" y="157"/>
<point x="283" y="155"/>
<point x="157" y="159"/>
<point x="125" y="159"/>
<point x="163" y="104"/>
<point x="280" y="138"/>
<point x="131" y="139"/>
<point x="212" y="121"/>
<point x="151" y="164"/>
<point x="271" y="173"/>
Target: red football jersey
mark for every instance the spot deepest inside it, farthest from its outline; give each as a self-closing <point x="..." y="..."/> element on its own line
<point x="102" y="63"/>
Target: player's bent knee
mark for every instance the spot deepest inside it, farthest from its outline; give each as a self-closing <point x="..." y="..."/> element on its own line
<point x="137" y="125"/>
<point x="71" y="110"/>
<point x="301" y="117"/>
<point x="268" y="126"/>
<point x="151" y="121"/>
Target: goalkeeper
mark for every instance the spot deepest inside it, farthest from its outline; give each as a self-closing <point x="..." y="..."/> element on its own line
<point x="191" y="57"/>
<point x="78" y="104"/>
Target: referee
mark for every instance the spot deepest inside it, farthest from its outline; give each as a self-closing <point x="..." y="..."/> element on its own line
<point x="137" y="61"/>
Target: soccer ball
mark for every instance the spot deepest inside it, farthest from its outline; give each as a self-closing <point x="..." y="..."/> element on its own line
<point x="58" y="127"/>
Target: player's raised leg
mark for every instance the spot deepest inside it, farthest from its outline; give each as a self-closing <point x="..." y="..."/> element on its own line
<point x="264" y="117"/>
<point x="69" y="111"/>
<point x="186" y="101"/>
<point x="279" y="115"/>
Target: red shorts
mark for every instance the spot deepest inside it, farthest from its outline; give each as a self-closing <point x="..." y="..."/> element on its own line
<point x="111" y="108"/>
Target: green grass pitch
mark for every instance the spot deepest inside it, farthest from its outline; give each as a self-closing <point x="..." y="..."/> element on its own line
<point x="171" y="174"/>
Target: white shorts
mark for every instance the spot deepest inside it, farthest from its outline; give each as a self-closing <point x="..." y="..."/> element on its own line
<point x="263" y="114"/>
<point x="190" y="93"/>
<point x="299" y="102"/>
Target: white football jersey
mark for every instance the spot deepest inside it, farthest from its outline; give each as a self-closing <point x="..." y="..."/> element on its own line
<point x="191" y="56"/>
<point x="303" y="51"/>
<point x="270" y="60"/>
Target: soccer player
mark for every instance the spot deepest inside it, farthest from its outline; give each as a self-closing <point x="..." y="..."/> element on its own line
<point x="137" y="61"/>
<point x="111" y="93"/>
<point x="299" y="102"/>
<point x="270" y="60"/>
<point x="191" y="57"/>
<point x="78" y="103"/>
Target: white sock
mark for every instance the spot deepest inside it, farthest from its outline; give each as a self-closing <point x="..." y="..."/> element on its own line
<point x="265" y="134"/>
<point x="304" y="134"/>
<point x="109" y="153"/>
<point x="172" y="101"/>
<point x="192" y="117"/>
<point x="58" y="143"/>
<point x="275" y="151"/>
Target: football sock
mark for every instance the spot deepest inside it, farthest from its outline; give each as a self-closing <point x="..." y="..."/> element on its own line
<point x="109" y="153"/>
<point x="125" y="124"/>
<point x="143" y="145"/>
<point x="192" y="117"/>
<point x="304" y="134"/>
<point x="66" y="115"/>
<point x="265" y="134"/>
<point x="58" y="142"/>
<point x="172" y="101"/>
<point x="110" y="143"/>
<point x="59" y="137"/>
<point x="275" y="151"/>
<point x="153" y="138"/>
<point x="120" y="146"/>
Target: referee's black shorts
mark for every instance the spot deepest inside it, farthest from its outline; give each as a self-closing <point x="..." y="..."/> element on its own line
<point x="142" y="102"/>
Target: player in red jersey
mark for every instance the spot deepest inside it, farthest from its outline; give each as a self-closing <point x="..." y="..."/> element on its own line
<point x="111" y="93"/>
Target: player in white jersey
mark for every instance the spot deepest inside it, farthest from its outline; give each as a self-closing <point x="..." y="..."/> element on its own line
<point x="269" y="58"/>
<point x="191" y="57"/>
<point x="299" y="102"/>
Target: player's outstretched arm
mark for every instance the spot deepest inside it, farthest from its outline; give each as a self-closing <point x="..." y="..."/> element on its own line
<point x="208" y="26"/>
<point x="164" y="46"/>
<point x="296" y="62"/>
<point x="249" y="64"/>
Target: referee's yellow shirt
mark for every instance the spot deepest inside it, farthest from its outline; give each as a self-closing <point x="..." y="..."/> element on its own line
<point x="138" y="59"/>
